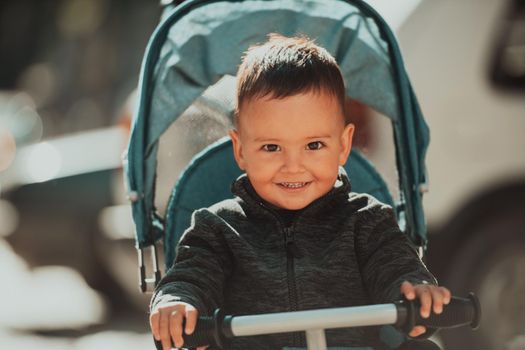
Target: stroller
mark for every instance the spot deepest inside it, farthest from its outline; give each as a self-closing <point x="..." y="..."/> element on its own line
<point x="188" y="60"/>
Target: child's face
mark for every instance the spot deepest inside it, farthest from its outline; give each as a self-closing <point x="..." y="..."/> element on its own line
<point x="291" y="148"/>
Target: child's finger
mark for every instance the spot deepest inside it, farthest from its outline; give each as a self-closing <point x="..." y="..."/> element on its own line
<point x="437" y="300"/>
<point x="191" y="319"/>
<point x="446" y="295"/>
<point x="164" y="330"/>
<point x="425" y="298"/>
<point x="154" y="324"/>
<point x="417" y="331"/>
<point x="176" y="328"/>
<point x="407" y="289"/>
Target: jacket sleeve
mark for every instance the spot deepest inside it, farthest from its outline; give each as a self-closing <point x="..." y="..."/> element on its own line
<point x="201" y="267"/>
<point x="386" y="256"/>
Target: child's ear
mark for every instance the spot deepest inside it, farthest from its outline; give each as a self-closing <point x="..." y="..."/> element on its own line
<point x="346" y="143"/>
<point x="237" y="148"/>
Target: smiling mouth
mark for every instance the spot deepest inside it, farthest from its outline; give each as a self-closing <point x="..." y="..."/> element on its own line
<point x="293" y="185"/>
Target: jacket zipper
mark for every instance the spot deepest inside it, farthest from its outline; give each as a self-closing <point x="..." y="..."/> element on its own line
<point x="291" y="253"/>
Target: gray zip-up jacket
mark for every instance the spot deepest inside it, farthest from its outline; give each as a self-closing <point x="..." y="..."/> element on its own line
<point x="344" y="249"/>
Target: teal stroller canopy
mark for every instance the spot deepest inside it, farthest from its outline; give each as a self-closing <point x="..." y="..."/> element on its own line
<point x="200" y="41"/>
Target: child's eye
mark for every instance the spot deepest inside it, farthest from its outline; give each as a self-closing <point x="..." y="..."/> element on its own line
<point x="271" y="148"/>
<point x="316" y="145"/>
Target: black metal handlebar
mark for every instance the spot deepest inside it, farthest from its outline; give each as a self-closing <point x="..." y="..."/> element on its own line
<point x="216" y="330"/>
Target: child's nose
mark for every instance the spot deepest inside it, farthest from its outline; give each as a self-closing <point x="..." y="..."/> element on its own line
<point x="292" y="162"/>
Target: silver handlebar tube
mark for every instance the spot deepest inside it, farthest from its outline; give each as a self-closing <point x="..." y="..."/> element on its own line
<point x="314" y="322"/>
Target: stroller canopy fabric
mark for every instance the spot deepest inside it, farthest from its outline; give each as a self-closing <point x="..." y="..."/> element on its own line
<point x="209" y="42"/>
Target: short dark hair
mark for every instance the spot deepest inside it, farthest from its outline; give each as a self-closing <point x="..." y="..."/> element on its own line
<point x="286" y="66"/>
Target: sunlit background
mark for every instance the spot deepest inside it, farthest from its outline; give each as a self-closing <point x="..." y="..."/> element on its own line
<point x="68" y="70"/>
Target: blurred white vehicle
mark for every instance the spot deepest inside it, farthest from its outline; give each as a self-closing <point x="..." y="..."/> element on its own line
<point x="466" y="59"/>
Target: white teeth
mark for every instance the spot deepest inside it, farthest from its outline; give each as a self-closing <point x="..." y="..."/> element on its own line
<point x="293" y="184"/>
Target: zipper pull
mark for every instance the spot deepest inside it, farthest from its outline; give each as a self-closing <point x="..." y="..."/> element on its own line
<point x="290" y="245"/>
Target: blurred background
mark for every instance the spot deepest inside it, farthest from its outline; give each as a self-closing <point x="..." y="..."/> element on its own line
<point x="68" y="70"/>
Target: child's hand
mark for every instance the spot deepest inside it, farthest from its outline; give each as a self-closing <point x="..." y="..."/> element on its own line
<point x="429" y="296"/>
<point x="166" y="323"/>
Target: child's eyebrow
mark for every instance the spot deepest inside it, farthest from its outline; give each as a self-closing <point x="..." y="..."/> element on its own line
<point x="319" y="137"/>
<point x="264" y="139"/>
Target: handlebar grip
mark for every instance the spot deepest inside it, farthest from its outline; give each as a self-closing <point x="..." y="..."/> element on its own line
<point x="202" y="335"/>
<point x="208" y="331"/>
<point x="459" y="312"/>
